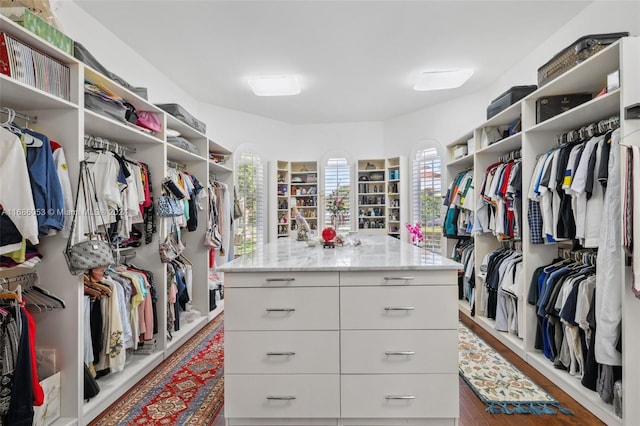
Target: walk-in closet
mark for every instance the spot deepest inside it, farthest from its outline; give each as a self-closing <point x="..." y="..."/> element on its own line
<point x="183" y="242"/>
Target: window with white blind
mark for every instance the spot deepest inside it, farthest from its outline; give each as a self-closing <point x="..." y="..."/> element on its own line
<point x="250" y="191"/>
<point x="337" y="187"/>
<point x="427" y="196"/>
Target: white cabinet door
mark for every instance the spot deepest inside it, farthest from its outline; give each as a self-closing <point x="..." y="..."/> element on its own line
<point x="282" y="396"/>
<point x="278" y="352"/>
<point x="308" y="308"/>
<point x="400" y="308"/>
<point x="399" y="396"/>
<point x="398" y="278"/>
<point x="398" y="351"/>
<point x="281" y="279"/>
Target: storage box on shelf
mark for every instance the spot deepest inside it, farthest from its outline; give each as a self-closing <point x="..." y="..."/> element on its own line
<point x="23" y="16"/>
<point x="534" y="140"/>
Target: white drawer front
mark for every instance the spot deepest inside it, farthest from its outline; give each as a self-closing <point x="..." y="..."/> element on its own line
<point x="399" y="396"/>
<point x="399" y="278"/>
<point x="281" y="279"/>
<point x="309" y="308"/>
<point x="285" y="396"/>
<point x="398" y="351"/>
<point x="420" y="307"/>
<point x="278" y="352"/>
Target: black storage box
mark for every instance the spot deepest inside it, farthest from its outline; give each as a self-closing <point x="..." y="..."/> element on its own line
<point x="181" y="114"/>
<point x="578" y="51"/>
<point x="550" y="106"/>
<point x="508" y="98"/>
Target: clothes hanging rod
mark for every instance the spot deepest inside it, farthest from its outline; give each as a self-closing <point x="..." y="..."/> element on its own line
<point x="29" y="276"/>
<point x="13" y="114"/>
<point x="590" y="130"/>
<point x="101" y="143"/>
<point x="177" y="166"/>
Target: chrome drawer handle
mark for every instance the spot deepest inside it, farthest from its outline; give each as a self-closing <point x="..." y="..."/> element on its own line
<point x="281" y="397"/>
<point x="400" y="353"/>
<point x="400" y="396"/>
<point x="399" y="308"/>
<point x="398" y="278"/>
<point x="281" y="309"/>
<point x="281" y="353"/>
<point x="279" y="280"/>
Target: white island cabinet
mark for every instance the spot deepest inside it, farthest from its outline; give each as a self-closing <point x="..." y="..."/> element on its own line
<point x="361" y="335"/>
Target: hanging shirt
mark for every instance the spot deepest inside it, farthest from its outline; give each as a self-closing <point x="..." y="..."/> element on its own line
<point x="15" y="195"/>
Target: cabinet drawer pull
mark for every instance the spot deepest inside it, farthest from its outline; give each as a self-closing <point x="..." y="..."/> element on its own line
<point x="279" y="280"/>
<point x="399" y="308"/>
<point x="280" y="353"/>
<point x="281" y="397"/>
<point x="281" y="309"/>
<point x="400" y="397"/>
<point x="400" y="353"/>
<point x="398" y="278"/>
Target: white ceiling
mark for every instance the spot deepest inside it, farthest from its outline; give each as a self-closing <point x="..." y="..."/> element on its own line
<point x="356" y="60"/>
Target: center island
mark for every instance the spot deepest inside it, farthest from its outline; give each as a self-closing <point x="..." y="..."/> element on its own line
<point x="363" y="335"/>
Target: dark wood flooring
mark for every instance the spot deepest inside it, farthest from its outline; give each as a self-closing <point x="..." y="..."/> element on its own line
<point x="473" y="411"/>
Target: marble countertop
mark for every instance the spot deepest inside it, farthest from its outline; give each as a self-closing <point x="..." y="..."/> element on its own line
<point x="375" y="253"/>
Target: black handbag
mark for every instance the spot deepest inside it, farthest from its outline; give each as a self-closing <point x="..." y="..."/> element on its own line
<point x="91" y="387"/>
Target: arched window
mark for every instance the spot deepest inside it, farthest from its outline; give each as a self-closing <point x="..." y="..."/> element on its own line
<point x="249" y="228"/>
<point x="427" y="196"/>
<point x="337" y="189"/>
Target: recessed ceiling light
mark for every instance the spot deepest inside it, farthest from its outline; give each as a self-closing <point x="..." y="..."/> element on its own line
<point x="442" y="79"/>
<point x="276" y="85"/>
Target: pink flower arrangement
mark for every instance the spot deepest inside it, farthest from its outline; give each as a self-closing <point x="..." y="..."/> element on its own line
<point x="416" y="232"/>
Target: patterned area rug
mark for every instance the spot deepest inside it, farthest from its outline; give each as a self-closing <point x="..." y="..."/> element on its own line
<point x="185" y="389"/>
<point x="499" y="384"/>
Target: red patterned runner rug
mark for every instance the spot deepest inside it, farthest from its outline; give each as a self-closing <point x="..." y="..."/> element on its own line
<point x="185" y="389"/>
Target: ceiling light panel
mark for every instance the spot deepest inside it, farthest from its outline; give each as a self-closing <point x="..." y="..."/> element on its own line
<point x="275" y="85"/>
<point x="442" y="79"/>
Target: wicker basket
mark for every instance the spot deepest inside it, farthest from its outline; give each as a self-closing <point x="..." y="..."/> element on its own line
<point x="582" y="49"/>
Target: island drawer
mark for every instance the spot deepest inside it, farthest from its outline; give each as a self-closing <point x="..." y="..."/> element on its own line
<point x="398" y="278"/>
<point x="399" y="395"/>
<point x="283" y="396"/>
<point x="308" y="308"/>
<point x="399" y="351"/>
<point x="281" y="279"/>
<point x="282" y="352"/>
<point x="399" y="308"/>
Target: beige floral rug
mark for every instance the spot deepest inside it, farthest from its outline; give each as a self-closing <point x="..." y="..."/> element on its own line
<point x="497" y="382"/>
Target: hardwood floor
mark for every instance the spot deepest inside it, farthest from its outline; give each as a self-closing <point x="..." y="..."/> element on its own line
<point x="473" y="411"/>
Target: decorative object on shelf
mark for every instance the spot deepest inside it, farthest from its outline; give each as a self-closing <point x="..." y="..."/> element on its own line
<point x="303" y="226"/>
<point x="416" y="233"/>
